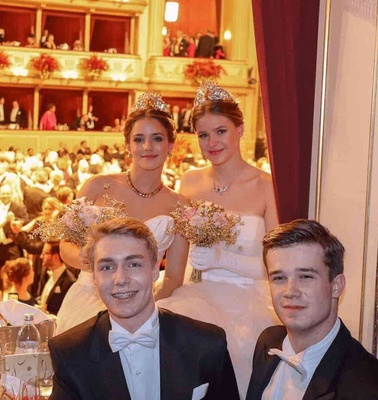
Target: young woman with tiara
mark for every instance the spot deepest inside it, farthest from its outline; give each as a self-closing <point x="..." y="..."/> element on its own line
<point x="150" y="136"/>
<point x="233" y="292"/>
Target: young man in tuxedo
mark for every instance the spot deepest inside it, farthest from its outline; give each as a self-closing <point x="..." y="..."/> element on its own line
<point x="134" y="350"/>
<point x="313" y="356"/>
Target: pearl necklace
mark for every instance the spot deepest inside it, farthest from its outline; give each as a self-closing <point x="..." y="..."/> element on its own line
<point x="141" y="194"/>
<point x="222" y="189"/>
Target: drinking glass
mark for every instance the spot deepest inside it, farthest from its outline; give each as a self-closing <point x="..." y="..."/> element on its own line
<point x="5" y="337"/>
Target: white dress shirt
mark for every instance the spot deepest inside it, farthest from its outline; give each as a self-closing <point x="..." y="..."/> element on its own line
<point x="287" y="383"/>
<point x="54" y="276"/>
<point x="141" y="365"/>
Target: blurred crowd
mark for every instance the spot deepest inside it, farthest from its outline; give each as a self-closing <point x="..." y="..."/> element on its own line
<point x="199" y="45"/>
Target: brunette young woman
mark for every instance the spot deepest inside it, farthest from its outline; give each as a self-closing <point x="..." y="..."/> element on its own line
<point x="150" y="136"/>
<point x="234" y="289"/>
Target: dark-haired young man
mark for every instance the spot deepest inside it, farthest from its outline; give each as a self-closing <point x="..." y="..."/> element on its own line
<point x="313" y="356"/>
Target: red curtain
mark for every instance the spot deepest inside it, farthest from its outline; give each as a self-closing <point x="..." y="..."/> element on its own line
<point x="66" y="27"/>
<point x="195" y="17"/>
<point x="115" y="28"/>
<point x="17" y="23"/>
<point x="68" y="104"/>
<point x="286" y="39"/>
<point x="108" y="106"/>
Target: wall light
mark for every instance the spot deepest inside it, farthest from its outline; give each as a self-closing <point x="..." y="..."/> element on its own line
<point x="227" y="35"/>
<point x="20" y="71"/>
<point x="171" y="11"/>
<point x="164" y="31"/>
<point x="69" y="74"/>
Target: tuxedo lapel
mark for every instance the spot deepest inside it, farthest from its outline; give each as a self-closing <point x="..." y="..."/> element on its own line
<point x="174" y="380"/>
<point x="322" y="384"/>
<point x="264" y="364"/>
<point x="107" y="365"/>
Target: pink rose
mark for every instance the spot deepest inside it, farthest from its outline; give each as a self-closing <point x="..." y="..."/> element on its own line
<point x="189" y="212"/>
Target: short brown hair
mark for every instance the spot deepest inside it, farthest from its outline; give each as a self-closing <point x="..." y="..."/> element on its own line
<point x="302" y="231"/>
<point x="163" y="117"/>
<point x="127" y="227"/>
<point x="228" y="109"/>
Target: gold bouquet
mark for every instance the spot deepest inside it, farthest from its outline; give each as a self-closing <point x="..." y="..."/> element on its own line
<point x="73" y="224"/>
<point x="205" y="224"/>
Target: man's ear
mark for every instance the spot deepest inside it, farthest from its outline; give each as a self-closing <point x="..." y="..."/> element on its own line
<point x="338" y="285"/>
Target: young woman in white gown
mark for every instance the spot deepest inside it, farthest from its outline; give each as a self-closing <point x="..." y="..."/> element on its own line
<point x="150" y="136"/>
<point x="234" y="289"/>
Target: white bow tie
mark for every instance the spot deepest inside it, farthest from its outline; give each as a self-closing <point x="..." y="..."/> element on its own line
<point x="291" y="360"/>
<point x="119" y="340"/>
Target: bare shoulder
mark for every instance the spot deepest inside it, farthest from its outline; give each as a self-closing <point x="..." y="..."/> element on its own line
<point x="193" y="178"/>
<point x="95" y="185"/>
<point x="175" y="197"/>
<point x="263" y="178"/>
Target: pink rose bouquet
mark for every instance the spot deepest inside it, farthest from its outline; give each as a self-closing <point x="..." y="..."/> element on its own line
<point x="77" y="218"/>
<point x="205" y="223"/>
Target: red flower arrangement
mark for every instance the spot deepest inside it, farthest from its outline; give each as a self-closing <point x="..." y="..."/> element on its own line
<point x="94" y="66"/>
<point x="200" y="70"/>
<point x="44" y="64"/>
<point x="4" y="60"/>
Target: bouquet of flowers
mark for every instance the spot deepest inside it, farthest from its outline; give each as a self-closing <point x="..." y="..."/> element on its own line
<point x="44" y="64"/>
<point x="94" y="65"/>
<point x="205" y="224"/>
<point x="201" y="70"/>
<point x="4" y="60"/>
<point x="75" y="221"/>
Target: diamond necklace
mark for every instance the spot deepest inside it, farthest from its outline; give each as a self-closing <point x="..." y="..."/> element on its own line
<point x="222" y="189"/>
<point x="141" y="194"/>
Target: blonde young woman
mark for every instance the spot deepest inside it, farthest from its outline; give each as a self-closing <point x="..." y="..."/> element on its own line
<point x="234" y="291"/>
<point x="150" y="136"/>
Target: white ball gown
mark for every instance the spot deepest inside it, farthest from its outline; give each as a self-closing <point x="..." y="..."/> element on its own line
<point x="238" y="302"/>
<point x="82" y="301"/>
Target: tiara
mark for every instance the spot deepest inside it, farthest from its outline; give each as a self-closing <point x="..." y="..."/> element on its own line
<point x="211" y="91"/>
<point x="150" y="100"/>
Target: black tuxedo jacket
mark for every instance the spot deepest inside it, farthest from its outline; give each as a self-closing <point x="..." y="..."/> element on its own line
<point x="59" y="290"/>
<point x="191" y="353"/>
<point x="346" y="372"/>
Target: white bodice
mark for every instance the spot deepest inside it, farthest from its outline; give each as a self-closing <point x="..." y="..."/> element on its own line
<point x="248" y="244"/>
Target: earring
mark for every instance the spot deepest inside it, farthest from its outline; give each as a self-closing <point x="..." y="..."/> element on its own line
<point x="130" y="155"/>
<point x="169" y="154"/>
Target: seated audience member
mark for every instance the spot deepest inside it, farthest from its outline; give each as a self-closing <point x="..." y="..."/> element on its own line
<point x="78" y="178"/>
<point x="78" y="46"/>
<point x="21" y="274"/>
<point x="10" y="213"/>
<point x="313" y="356"/>
<point x="181" y="45"/>
<point x="174" y="357"/>
<point x="117" y="125"/>
<point x="49" y="43"/>
<point x="80" y="123"/>
<point x="61" y="279"/>
<point x="30" y="41"/>
<point x="177" y="117"/>
<point x="65" y="195"/>
<point x="84" y="148"/>
<point x="48" y="121"/>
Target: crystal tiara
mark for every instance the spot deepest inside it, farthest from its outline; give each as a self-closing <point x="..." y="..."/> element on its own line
<point x="211" y="91"/>
<point x="150" y="100"/>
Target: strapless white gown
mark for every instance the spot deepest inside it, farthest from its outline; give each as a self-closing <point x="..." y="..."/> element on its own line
<point x="82" y="300"/>
<point x="240" y="305"/>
